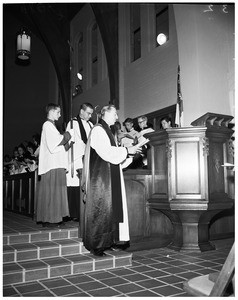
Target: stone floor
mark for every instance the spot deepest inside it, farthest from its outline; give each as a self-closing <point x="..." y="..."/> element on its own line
<point x="155" y="272"/>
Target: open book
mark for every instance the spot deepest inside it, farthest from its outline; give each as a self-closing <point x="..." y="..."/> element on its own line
<point x="142" y="141"/>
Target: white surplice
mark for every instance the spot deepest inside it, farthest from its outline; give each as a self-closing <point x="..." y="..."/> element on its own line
<point x="51" y="155"/>
<point x="78" y="151"/>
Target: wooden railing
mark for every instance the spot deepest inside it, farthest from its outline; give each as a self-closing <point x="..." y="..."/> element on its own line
<point x="19" y="192"/>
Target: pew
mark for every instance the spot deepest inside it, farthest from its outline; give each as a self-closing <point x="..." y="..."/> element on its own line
<point x="19" y="192"/>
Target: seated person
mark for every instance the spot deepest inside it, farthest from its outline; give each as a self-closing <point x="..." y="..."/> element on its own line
<point x="21" y="153"/>
<point x="131" y="136"/>
<point x="165" y="123"/>
<point x="7" y="162"/>
<point x="13" y="169"/>
<point x="145" y="128"/>
<point x="15" y="153"/>
<point x="36" y="141"/>
<point x="30" y="157"/>
<point x="116" y="129"/>
<point x="22" y="165"/>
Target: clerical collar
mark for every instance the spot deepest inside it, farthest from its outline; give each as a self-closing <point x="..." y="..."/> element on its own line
<point x="83" y="120"/>
<point x="101" y="121"/>
<point x="78" y="117"/>
<point x="51" y="121"/>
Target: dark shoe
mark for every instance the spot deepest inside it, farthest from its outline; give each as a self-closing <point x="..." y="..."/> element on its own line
<point x="114" y="248"/>
<point x="122" y="245"/>
<point x="98" y="252"/>
<point x="75" y="219"/>
<point x="53" y="225"/>
<point x="60" y="223"/>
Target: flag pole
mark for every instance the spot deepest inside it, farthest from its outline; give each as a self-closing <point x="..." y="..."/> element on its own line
<point x="97" y="113"/>
<point x="179" y="103"/>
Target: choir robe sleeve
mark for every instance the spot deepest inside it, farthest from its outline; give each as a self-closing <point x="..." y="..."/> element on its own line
<point x="126" y="162"/>
<point x="101" y="144"/>
<point x="53" y="138"/>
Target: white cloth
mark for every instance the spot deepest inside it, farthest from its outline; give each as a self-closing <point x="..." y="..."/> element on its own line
<point x="144" y="131"/>
<point x="101" y="143"/>
<point x="141" y="138"/>
<point x="36" y="153"/>
<point x="32" y="167"/>
<point x="127" y="142"/>
<point x="51" y="155"/>
<point x="115" y="155"/>
<point x="133" y="133"/>
<point x="124" y="234"/>
<point x="78" y="151"/>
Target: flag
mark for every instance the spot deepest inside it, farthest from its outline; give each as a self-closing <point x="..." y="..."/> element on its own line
<point x="179" y="104"/>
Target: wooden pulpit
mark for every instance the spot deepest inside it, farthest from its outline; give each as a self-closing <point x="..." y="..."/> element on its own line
<point x="189" y="183"/>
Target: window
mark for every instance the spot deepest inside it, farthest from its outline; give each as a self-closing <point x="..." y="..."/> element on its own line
<point x="135" y="27"/>
<point x="94" y="57"/>
<point x="161" y="20"/>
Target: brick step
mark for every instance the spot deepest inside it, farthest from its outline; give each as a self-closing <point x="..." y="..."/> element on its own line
<point x="42" y="249"/>
<point x="46" y="268"/>
<point x="48" y="253"/>
<point x="39" y="235"/>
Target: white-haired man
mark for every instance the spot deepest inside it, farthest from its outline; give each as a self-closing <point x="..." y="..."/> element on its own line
<point x="106" y="217"/>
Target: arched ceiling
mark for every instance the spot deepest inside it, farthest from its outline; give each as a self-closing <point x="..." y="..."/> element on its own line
<point x="51" y="23"/>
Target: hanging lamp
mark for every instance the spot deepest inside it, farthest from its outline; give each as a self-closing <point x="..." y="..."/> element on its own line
<point x="23" y="45"/>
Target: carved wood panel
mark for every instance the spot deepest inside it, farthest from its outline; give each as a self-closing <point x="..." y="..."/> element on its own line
<point x="186" y="168"/>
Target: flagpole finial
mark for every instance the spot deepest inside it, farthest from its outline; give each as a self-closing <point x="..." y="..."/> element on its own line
<point x="97" y="111"/>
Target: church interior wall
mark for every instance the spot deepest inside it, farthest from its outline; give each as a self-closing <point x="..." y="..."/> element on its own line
<point x="150" y="81"/>
<point x="195" y="43"/>
<point x="98" y="94"/>
<point x="206" y="56"/>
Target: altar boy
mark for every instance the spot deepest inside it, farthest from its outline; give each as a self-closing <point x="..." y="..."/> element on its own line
<point x="52" y="202"/>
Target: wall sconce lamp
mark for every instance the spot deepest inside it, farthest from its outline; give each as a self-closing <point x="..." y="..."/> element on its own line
<point x="23" y="45"/>
<point x="80" y="76"/>
<point x="78" y="89"/>
<point x="161" y="39"/>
